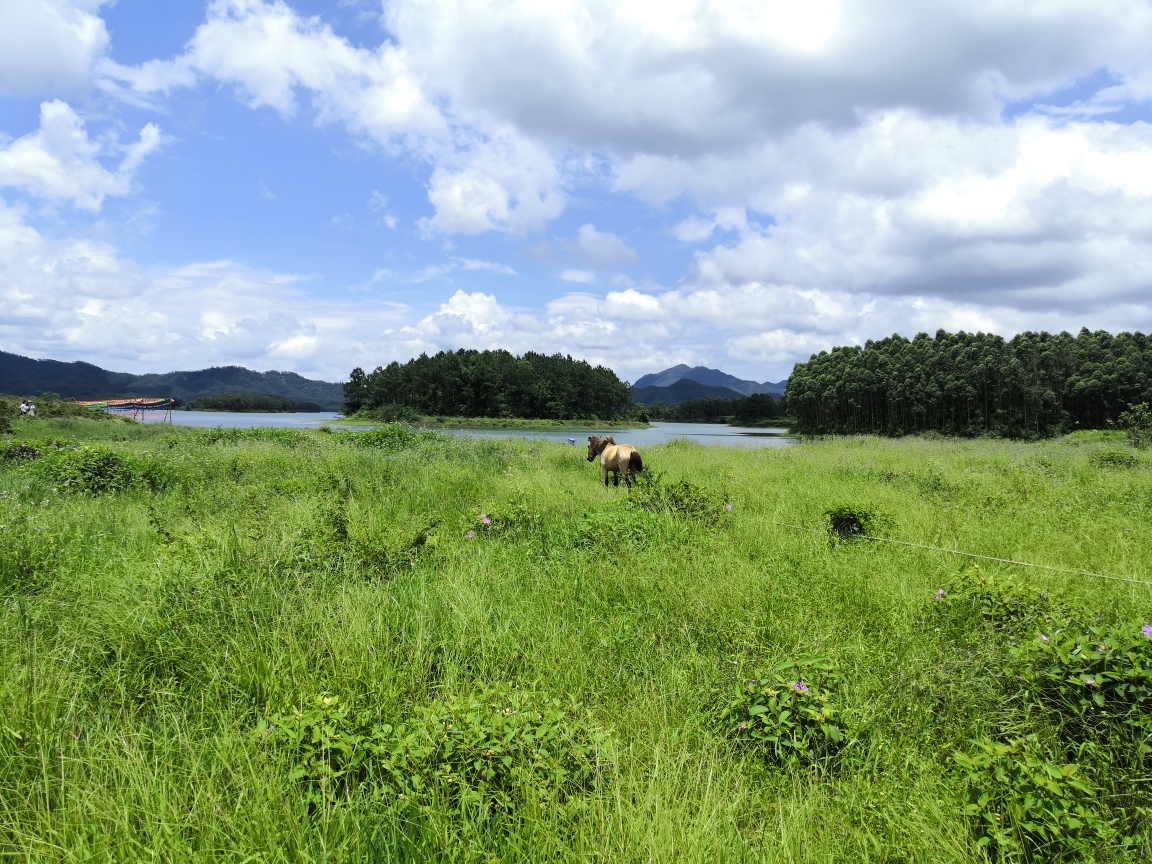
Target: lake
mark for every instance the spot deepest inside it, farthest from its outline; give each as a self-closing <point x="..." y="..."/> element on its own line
<point x="658" y="433"/>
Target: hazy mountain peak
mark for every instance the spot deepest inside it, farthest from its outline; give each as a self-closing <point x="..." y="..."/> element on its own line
<point x="708" y="377"/>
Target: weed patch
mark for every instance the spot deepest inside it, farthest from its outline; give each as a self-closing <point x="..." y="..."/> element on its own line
<point x="1024" y="806"/>
<point x="484" y="754"/>
<point x="650" y="492"/>
<point x="1099" y="675"/>
<point x="996" y="599"/>
<point x="393" y="437"/>
<point x="789" y="713"/>
<point x="1114" y="459"/>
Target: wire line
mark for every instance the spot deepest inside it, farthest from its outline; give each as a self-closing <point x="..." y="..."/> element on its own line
<point x="981" y="557"/>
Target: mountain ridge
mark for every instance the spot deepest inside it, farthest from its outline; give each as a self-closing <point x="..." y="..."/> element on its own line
<point x="25" y="376"/>
<point x="681" y="391"/>
<point x="709" y="378"/>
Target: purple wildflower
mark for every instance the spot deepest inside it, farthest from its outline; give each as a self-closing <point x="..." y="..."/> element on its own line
<point x="728" y="507"/>
<point x="1043" y="638"/>
<point x="470" y="534"/>
<point x="800" y="687"/>
<point x="1090" y="682"/>
<point x="486" y="521"/>
<point x="741" y="726"/>
<point x="1147" y="630"/>
<point x="939" y="593"/>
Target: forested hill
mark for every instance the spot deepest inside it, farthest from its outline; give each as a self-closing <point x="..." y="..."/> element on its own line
<point x="469" y="383"/>
<point x="1034" y="385"/>
<point x="23" y="376"/>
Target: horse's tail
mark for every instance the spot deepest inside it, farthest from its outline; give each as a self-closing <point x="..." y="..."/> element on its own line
<point x="635" y="463"/>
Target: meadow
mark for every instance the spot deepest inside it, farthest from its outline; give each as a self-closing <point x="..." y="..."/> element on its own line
<point x="286" y="645"/>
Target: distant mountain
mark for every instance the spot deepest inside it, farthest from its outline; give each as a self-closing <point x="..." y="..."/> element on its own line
<point x="681" y="391"/>
<point x="709" y="377"/>
<point x="23" y="376"/>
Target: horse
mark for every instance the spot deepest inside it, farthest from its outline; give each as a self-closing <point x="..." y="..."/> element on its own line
<point x="615" y="459"/>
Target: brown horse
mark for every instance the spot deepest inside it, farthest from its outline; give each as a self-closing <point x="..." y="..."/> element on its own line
<point x="615" y="459"/>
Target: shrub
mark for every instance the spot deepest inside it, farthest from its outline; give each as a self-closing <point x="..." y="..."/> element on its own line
<point x="1100" y="674"/>
<point x="515" y="519"/>
<point x="850" y="521"/>
<point x="650" y="492"/>
<point x="100" y="470"/>
<point x="996" y="598"/>
<point x="1137" y="424"/>
<point x="483" y="754"/>
<point x="789" y="712"/>
<point x="10" y="451"/>
<point x="1024" y="806"/>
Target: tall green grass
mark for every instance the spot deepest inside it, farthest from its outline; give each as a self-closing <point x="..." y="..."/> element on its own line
<point x="146" y="636"/>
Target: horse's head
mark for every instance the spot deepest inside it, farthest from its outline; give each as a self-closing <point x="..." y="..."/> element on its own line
<point x="596" y="446"/>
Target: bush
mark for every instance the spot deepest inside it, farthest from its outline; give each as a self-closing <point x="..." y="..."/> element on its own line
<point x="997" y="599"/>
<point x="100" y="470"/>
<point x="789" y="712"/>
<point x="1137" y="424"/>
<point x="683" y="497"/>
<point x="1025" y="806"/>
<point x="482" y="754"/>
<point x="1099" y="675"/>
<point x="849" y="521"/>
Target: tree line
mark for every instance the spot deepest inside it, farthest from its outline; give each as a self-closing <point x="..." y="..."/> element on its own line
<point x="471" y="383"/>
<point x="757" y="409"/>
<point x="1033" y="385"/>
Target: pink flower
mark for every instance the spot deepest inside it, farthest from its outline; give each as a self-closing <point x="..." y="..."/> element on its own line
<point x="800" y="687"/>
<point x="470" y="534"/>
<point x="728" y="507"/>
<point x="741" y="726"/>
<point x="939" y="593"/>
<point x="1090" y="682"/>
<point x="1043" y="638"/>
<point x="1147" y="630"/>
<point x="486" y="521"/>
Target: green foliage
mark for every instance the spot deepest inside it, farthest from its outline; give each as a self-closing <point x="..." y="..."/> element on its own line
<point x="393" y="438"/>
<point x="514" y="519"/>
<point x="469" y="383"/>
<point x="242" y="402"/>
<point x="681" y="497"/>
<point x="99" y="470"/>
<point x="19" y="451"/>
<point x="235" y="436"/>
<point x="1114" y="459"/>
<point x="1100" y="674"/>
<point x="1137" y="424"/>
<point x="482" y="754"/>
<point x="1024" y="807"/>
<point x="748" y="411"/>
<point x="973" y="384"/>
<point x="791" y="712"/>
<point x="390" y="413"/>
<point x="998" y="599"/>
<point x="848" y="521"/>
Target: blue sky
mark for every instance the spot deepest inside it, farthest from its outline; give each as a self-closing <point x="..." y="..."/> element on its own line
<point x="314" y="186"/>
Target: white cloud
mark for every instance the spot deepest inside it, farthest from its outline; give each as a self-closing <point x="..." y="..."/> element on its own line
<point x="577" y="275"/>
<point x="49" y="46"/>
<point x="602" y="249"/>
<point x="80" y="299"/>
<point x="59" y="161"/>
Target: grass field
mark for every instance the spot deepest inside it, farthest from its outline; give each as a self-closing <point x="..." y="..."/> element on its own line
<point x="550" y="687"/>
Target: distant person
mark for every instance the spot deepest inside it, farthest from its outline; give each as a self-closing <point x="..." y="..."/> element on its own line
<point x="27" y="409"/>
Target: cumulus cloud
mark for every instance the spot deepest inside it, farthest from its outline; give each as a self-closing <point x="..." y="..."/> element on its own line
<point x="59" y="162"/>
<point x="694" y="77"/>
<point x="49" y="46"/>
<point x="77" y="298"/>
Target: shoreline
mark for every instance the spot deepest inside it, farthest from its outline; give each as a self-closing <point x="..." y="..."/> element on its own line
<point x="495" y="423"/>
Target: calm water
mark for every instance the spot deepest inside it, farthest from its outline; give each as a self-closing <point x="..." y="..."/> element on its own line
<point x="658" y="433"/>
